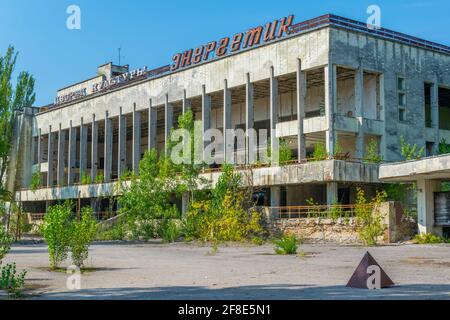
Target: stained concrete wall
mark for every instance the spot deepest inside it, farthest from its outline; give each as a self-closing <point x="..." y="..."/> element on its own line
<point x="392" y="60"/>
<point x="311" y="47"/>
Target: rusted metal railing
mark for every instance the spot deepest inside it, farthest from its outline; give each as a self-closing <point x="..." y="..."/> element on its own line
<point x="317" y="211"/>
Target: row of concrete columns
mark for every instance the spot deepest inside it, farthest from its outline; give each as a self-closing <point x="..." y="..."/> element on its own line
<point x="330" y="96"/>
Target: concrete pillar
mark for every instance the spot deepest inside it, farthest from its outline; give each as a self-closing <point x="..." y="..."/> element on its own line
<point x="275" y="196"/>
<point x="61" y="156"/>
<point x="83" y="148"/>
<point x="34" y="148"/>
<point x="108" y="148"/>
<point x="250" y="135"/>
<point x="435" y="116"/>
<point x="72" y="154"/>
<point x="122" y="145"/>
<point x="425" y="204"/>
<point x="184" y="203"/>
<point x="228" y="146"/>
<point x="382" y="118"/>
<point x="273" y="114"/>
<point x="359" y="100"/>
<point x="39" y="150"/>
<point x="136" y="139"/>
<point x="332" y="193"/>
<point x="168" y="125"/>
<point x="152" y="126"/>
<point x="186" y="103"/>
<point x="301" y="105"/>
<point x="206" y="118"/>
<point x="330" y="105"/>
<point x="51" y="142"/>
<point x="94" y="149"/>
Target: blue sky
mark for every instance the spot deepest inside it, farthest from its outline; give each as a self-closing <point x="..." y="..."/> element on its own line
<point x="150" y="32"/>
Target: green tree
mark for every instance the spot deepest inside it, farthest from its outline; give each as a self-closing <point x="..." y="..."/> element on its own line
<point x="149" y="197"/>
<point x="12" y="98"/>
<point x="188" y="171"/>
<point x="56" y="231"/>
<point x="5" y="243"/>
<point x="82" y="233"/>
<point x="368" y="217"/>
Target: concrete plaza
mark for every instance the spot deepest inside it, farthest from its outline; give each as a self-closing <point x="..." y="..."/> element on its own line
<point x="189" y="271"/>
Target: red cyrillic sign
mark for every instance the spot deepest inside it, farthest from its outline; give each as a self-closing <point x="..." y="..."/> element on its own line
<point x="253" y="37"/>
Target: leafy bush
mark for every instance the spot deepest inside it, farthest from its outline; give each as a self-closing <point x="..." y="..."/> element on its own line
<point x="99" y="178"/>
<point x="225" y="216"/>
<point x="149" y="198"/>
<point x="82" y="233"/>
<point x="18" y="222"/>
<point x="11" y="281"/>
<point x="444" y="147"/>
<point x="372" y="153"/>
<point x="118" y="232"/>
<point x="169" y="231"/>
<point x="285" y="152"/>
<point x="55" y="230"/>
<point x="428" y="238"/>
<point x="35" y="181"/>
<point x="286" y="245"/>
<point x="368" y="217"/>
<point x="85" y="178"/>
<point x="410" y="152"/>
<point x="320" y="152"/>
<point x="5" y="243"/>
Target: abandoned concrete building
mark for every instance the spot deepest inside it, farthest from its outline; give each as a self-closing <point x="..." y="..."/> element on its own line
<point x="327" y="80"/>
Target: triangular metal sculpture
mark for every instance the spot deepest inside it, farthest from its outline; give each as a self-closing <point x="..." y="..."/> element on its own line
<point x="365" y="270"/>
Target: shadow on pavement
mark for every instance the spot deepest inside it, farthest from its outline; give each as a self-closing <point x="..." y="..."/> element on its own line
<point x="270" y="292"/>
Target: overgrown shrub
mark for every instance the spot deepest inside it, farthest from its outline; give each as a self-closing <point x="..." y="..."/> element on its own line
<point x="10" y="281"/>
<point x="287" y="244"/>
<point x="5" y="243"/>
<point x="86" y="178"/>
<point x="411" y="152"/>
<point x="35" y="181"/>
<point x="372" y="153"/>
<point x="428" y="238"/>
<point x="117" y="232"/>
<point x="320" y="152"/>
<point x="149" y="198"/>
<point x="368" y="217"/>
<point x="55" y="230"/>
<point x="285" y="152"/>
<point x="99" y="178"/>
<point x="82" y="233"/>
<point x="225" y="216"/>
<point x="169" y="231"/>
<point x="18" y="222"/>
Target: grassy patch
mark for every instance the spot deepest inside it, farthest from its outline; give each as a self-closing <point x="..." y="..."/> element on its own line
<point x="287" y="245"/>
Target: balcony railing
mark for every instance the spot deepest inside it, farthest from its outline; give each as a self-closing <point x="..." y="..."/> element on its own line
<point x="317" y="211"/>
<point x="100" y="216"/>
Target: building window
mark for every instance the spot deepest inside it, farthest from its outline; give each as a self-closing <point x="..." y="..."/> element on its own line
<point x="401" y="89"/>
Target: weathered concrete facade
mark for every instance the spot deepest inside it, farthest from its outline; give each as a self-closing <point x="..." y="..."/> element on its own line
<point x="327" y="83"/>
